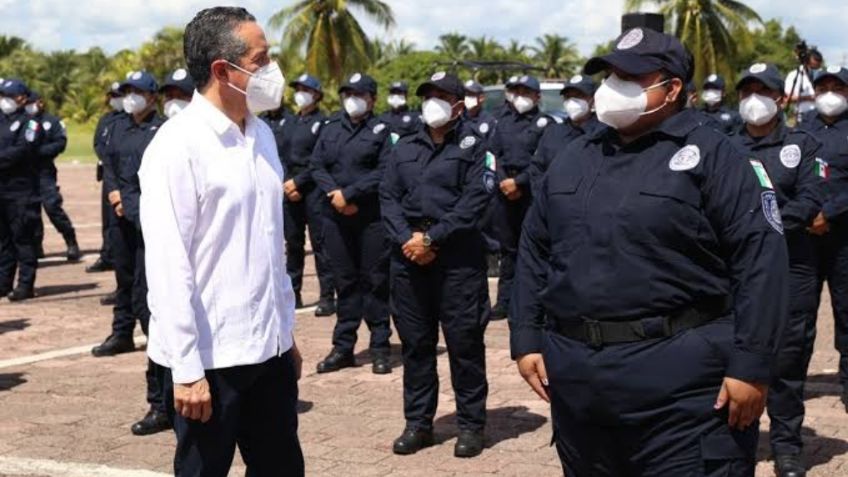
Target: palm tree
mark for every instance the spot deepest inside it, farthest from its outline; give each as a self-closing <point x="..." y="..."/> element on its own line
<point x="453" y="45"/>
<point x="9" y="44"/>
<point x="556" y="55"/>
<point x="516" y="51"/>
<point x="334" y="41"/>
<point x="485" y="48"/>
<point x="711" y="29"/>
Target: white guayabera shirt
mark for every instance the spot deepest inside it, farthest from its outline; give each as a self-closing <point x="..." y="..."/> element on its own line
<point x="212" y="218"/>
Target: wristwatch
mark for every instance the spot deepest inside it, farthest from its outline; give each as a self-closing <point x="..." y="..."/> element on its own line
<point x="427" y="240"/>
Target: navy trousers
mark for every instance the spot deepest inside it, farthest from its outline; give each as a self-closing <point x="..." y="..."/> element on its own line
<point x="300" y="216"/>
<point x="17" y="242"/>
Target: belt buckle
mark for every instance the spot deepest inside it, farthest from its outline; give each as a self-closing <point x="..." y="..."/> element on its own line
<point x="594" y="335"/>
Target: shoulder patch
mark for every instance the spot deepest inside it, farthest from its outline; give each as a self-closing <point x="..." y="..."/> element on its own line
<point x="15" y="126"/>
<point x="685" y="159"/>
<point x="484" y="128"/>
<point x="394" y="137"/>
<point x="379" y="128"/>
<point x="762" y="175"/>
<point x="725" y="116"/>
<point x="790" y="156"/>
<point x="282" y="121"/>
<point x="558" y="120"/>
<point x="47" y="125"/>
<point x="315" y="127"/>
<point x="406" y="118"/>
<point x="468" y="141"/>
<point x="771" y="211"/>
<point x="542" y="122"/>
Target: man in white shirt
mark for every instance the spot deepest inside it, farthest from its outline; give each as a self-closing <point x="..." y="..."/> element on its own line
<point x="799" y="85"/>
<point x="222" y="305"/>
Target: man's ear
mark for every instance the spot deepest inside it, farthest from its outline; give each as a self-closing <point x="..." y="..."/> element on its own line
<point x="221" y="71"/>
<point x="675" y="89"/>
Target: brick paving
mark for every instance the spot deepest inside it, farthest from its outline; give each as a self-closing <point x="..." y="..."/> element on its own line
<point x="78" y="409"/>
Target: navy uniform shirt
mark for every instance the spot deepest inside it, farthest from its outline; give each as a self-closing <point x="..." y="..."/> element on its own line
<point x="296" y="136"/>
<point x="619" y="232"/>
<point x="555" y="138"/>
<point x="724" y="119"/>
<point x="101" y="137"/>
<point x="484" y="123"/>
<point x="832" y="164"/>
<point x="51" y="140"/>
<point x="351" y="157"/>
<point x="514" y="142"/>
<point x="789" y="157"/>
<point x="18" y="172"/>
<point x="402" y="121"/>
<point x="448" y="184"/>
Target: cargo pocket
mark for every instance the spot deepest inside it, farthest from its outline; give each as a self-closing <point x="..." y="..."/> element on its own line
<point x="724" y="454"/>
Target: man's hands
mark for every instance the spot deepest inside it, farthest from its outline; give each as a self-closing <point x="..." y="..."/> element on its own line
<point x="415" y="250"/>
<point x="510" y="189"/>
<point x="337" y="199"/>
<point x="820" y="225"/>
<point x="114" y="198"/>
<point x="746" y="400"/>
<point x="291" y="192"/>
<point x="297" y="360"/>
<point x="532" y="369"/>
<point x="194" y="400"/>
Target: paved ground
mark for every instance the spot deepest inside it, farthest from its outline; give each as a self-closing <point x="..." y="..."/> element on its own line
<point x="65" y="413"/>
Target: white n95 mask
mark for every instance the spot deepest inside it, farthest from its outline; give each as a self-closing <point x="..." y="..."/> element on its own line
<point x="436" y="112"/>
<point x="264" y="88"/>
<point x="757" y="110"/>
<point x="134" y="103"/>
<point x="620" y="103"/>
<point x="831" y="104"/>
<point x="355" y="106"/>
<point x="174" y="106"/>
<point x="576" y="108"/>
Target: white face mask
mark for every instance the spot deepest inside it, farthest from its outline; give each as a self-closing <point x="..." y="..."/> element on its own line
<point x="831" y="104"/>
<point x="174" y="106"/>
<point x="264" y="88"/>
<point x="396" y="100"/>
<point x="436" y="112"/>
<point x="621" y="103"/>
<point x="303" y="99"/>
<point x="757" y="110"/>
<point x="576" y="108"/>
<point x="134" y="103"/>
<point x="471" y="102"/>
<point x="117" y="104"/>
<point x="8" y="105"/>
<point x="32" y="109"/>
<point x="355" y="106"/>
<point x="711" y="96"/>
<point x="523" y="104"/>
<point x="510" y="96"/>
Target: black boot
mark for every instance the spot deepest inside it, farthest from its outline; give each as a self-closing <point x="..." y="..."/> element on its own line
<point x="298" y="301"/>
<point x="412" y="441"/>
<point x="39" y="251"/>
<point x="493" y="266"/>
<point x="469" y="444"/>
<point x="498" y="313"/>
<point x="113" y="345"/>
<point x="326" y="307"/>
<point x="380" y="362"/>
<point x="151" y="423"/>
<point x="21" y="294"/>
<point x="109" y="299"/>
<point x="789" y="465"/>
<point x="99" y="266"/>
<point x="74" y="254"/>
<point x="335" y="361"/>
<point x="845" y="398"/>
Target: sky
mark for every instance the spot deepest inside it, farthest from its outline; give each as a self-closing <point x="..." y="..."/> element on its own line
<point x="81" y="24"/>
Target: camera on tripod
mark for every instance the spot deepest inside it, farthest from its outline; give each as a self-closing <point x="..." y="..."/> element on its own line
<point x="802" y="52"/>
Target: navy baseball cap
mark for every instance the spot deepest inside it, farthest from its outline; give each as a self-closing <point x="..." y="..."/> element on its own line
<point x="473" y="87"/>
<point x="714" y="81"/>
<point x="33" y="97"/>
<point x="442" y="81"/>
<point x="837" y="72"/>
<point x="399" y="87"/>
<point x="181" y="80"/>
<point x="764" y="73"/>
<point x="582" y="83"/>
<point x="528" y="82"/>
<point x="141" y="80"/>
<point x="307" y="81"/>
<point x="511" y="81"/>
<point x="640" y="51"/>
<point x="114" y="90"/>
<point x="359" y="83"/>
<point x="13" y="87"/>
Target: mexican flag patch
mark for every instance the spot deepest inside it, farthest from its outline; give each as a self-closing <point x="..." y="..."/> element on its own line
<point x="822" y="169"/>
<point x="491" y="163"/>
<point x="762" y="175"/>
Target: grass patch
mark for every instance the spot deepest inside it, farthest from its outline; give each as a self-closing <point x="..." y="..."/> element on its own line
<point x="80" y="148"/>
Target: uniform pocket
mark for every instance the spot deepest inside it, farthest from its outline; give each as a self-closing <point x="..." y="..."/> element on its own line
<point x="726" y="452"/>
<point x="566" y="219"/>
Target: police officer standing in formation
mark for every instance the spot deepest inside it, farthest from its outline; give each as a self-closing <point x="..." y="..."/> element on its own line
<point x="51" y="140"/>
<point x="19" y="199"/>
<point x="115" y="101"/>
<point x="399" y="118"/>
<point x="296" y="139"/>
<point x="176" y="93"/>
<point x="513" y="143"/>
<point x="578" y="94"/>
<point x="788" y="158"/>
<point x="651" y="282"/>
<point x="348" y="164"/>
<point x="437" y="183"/>
<point x="722" y="118"/>
<point x="475" y="97"/>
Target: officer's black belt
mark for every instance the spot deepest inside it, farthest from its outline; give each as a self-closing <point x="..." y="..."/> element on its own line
<point x="422" y="224"/>
<point x="597" y="333"/>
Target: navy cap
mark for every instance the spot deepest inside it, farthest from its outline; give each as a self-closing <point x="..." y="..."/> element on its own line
<point x="837" y="72"/>
<point x="765" y="73"/>
<point x="141" y="80"/>
<point x="511" y="81"/>
<point x="640" y="51"/>
<point x="359" y="83"/>
<point x="583" y="83"/>
<point x="528" y="82"/>
<point x="399" y="87"/>
<point x="181" y="80"/>
<point x="114" y="89"/>
<point x="33" y="97"/>
<point x="13" y="87"/>
<point x="307" y="81"/>
<point x="473" y="87"/>
<point x="442" y="81"/>
<point x="714" y="81"/>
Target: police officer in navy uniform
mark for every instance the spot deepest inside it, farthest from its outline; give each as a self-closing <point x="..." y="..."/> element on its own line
<point x="436" y="185"/>
<point x="578" y="96"/>
<point x="722" y="118"/>
<point x="348" y="163"/>
<point x="296" y="140"/>
<point x="399" y="118"/>
<point x="19" y="200"/>
<point x="127" y="143"/>
<point x="115" y="102"/>
<point x="513" y="143"/>
<point x="654" y="252"/>
<point x="789" y="159"/>
<point x="51" y="141"/>
<point x="475" y="98"/>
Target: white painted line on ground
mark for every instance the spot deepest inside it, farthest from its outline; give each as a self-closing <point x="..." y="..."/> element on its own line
<point x="52" y="468"/>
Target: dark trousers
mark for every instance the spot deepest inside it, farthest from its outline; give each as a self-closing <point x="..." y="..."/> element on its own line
<point x="813" y="260"/>
<point x="52" y="201"/>
<point x="254" y="407"/>
<point x="508" y="216"/>
<point x="646" y="408"/>
<point x="108" y="221"/>
<point x="359" y="252"/>
<point x="17" y="242"/>
<point x="131" y="297"/>
<point x="297" y="216"/>
<point x="446" y="292"/>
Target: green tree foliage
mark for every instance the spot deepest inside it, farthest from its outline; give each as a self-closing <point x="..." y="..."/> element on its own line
<point x="556" y="55"/>
<point x="770" y="44"/>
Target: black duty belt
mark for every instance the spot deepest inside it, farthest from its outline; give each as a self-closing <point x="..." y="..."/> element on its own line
<point x="597" y="333"/>
<point x="422" y="224"/>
